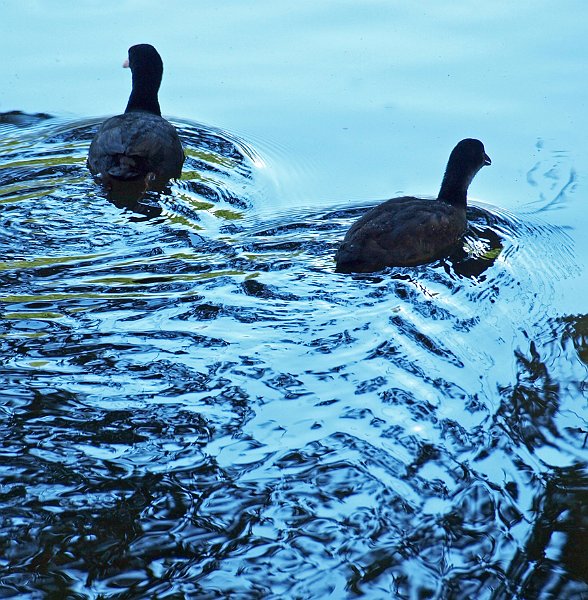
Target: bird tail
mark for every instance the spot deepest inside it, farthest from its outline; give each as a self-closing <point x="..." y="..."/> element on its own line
<point x="127" y="168"/>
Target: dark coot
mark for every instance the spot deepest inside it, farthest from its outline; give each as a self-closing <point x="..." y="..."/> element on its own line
<point x="138" y="147"/>
<point x="410" y="231"/>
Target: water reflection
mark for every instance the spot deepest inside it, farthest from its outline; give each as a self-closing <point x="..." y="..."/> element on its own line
<point x="17" y="118"/>
<point x="195" y="404"/>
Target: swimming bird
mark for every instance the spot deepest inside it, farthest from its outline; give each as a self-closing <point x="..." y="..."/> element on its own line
<point x="139" y="146"/>
<point x="409" y="231"/>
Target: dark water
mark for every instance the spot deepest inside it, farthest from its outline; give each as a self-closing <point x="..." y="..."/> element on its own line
<point x="195" y="405"/>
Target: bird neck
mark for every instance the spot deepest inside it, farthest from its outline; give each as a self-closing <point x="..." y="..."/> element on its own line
<point x="454" y="188"/>
<point x="144" y="97"/>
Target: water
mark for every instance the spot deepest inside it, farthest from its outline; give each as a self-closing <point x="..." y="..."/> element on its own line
<point x="196" y="405"/>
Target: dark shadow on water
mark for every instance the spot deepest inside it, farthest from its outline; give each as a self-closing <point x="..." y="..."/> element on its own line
<point x="558" y="542"/>
<point x="17" y="118"/>
<point x="576" y="330"/>
<point x="481" y="247"/>
<point x="134" y="196"/>
<point x="553" y="563"/>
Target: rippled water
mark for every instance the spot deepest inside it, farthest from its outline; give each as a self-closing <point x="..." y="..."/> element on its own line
<point x="196" y="405"/>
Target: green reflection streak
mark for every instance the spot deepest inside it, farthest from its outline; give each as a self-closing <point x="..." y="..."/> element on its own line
<point x="56" y="297"/>
<point x="45" y="261"/>
<point x="229" y="215"/>
<point x="45" y="161"/>
<point x="160" y="278"/>
<point x="210" y="157"/>
<point x="37" y="316"/>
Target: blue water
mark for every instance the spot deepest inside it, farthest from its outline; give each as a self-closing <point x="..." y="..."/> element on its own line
<point x="196" y="405"/>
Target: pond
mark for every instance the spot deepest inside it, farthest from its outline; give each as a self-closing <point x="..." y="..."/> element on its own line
<point x="195" y="405"/>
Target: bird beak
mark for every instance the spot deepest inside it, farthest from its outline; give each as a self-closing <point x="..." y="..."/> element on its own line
<point x="126" y="64"/>
<point x="487" y="160"/>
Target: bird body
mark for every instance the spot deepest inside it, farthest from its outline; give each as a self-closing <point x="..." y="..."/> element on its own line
<point x="403" y="231"/>
<point x="409" y="231"/>
<point x="136" y="145"/>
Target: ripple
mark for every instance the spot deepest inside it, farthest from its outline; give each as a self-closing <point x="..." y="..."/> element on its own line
<point x="196" y="403"/>
<point x="554" y="177"/>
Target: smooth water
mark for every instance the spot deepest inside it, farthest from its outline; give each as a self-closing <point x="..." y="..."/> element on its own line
<point x="196" y="406"/>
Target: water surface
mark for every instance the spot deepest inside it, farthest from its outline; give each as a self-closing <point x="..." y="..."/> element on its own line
<point x="196" y="405"/>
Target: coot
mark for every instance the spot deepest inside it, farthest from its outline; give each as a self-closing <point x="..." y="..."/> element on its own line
<point x="139" y="146"/>
<point x="410" y="231"/>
